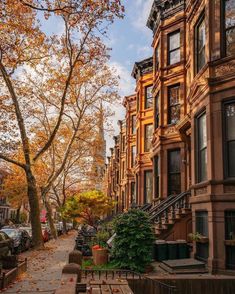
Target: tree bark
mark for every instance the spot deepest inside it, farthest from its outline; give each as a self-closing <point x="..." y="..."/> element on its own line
<point x="50" y="218"/>
<point x="64" y="226"/>
<point x="34" y="210"/>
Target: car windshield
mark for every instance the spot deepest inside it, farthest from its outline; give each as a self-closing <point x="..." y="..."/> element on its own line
<point x="11" y="233"/>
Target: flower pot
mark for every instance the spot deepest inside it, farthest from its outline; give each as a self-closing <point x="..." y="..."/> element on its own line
<point x="100" y="257"/>
<point x="230" y="242"/>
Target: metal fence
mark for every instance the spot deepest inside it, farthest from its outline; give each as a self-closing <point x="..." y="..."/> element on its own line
<point x="7" y="278"/>
<point x="137" y="282"/>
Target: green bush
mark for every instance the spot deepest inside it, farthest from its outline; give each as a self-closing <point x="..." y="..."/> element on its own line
<point x="134" y="239"/>
<point x="101" y="238"/>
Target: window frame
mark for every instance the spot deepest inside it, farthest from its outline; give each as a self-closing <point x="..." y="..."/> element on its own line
<point x="133" y="124"/>
<point x="148" y="171"/>
<point x="132" y="157"/>
<point x="146" y="138"/>
<point x="198" y="164"/>
<point x="168" y="47"/>
<point x="157" y="111"/>
<point x="225" y="141"/>
<point x="146" y="99"/>
<point x="169" y="106"/>
<point x="157" y="176"/>
<point x="196" y="41"/>
<point x="157" y="57"/>
<point x="224" y="30"/>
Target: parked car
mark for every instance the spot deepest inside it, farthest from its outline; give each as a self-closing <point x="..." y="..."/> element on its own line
<point x="6" y="244"/>
<point x="28" y="229"/>
<point x="59" y="228"/>
<point x="21" y="239"/>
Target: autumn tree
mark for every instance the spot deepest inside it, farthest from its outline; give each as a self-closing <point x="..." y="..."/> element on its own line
<point x="33" y="63"/>
<point x="87" y="207"/>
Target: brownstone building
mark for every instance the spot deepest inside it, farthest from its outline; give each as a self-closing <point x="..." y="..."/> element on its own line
<point x="190" y="118"/>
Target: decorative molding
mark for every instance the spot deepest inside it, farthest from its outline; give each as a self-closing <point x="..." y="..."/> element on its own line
<point x="142" y="67"/>
<point x="224" y="69"/>
<point x="229" y="189"/>
<point x="200" y="191"/>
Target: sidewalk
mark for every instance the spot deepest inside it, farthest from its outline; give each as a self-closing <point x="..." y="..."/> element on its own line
<point x="44" y="267"/>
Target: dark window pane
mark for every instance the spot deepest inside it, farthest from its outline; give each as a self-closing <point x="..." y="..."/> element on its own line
<point x="148" y="97"/>
<point x="148" y="189"/>
<point x="230" y="119"/>
<point x="174" y="175"/>
<point x="175" y="56"/>
<point x="202" y="222"/>
<point x="203" y="165"/>
<point x="201" y="148"/>
<point x="229" y="13"/>
<point x="231" y="156"/>
<point x="175" y="185"/>
<point x="148" y="137"/>
<point x="173" y="104"/>
<point x="230" y="41"/>
<point x="133" y="155"/>
<point x="174" y="48"/>
<point x="157" y="57"/>
<point x="174" y="161"/>
<point x="157" y="111"/>
<point x="174" y="41"/>
<point x="200" y="35"/>
<point x="133" y="124"/>
<point x="229" y="225"/>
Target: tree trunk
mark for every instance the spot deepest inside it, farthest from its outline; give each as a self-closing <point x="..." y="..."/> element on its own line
<point x="64" y="226"/>
<point x="34" y="210"/>
<point x="50" y="219"/>
<point x="17" y="220"/>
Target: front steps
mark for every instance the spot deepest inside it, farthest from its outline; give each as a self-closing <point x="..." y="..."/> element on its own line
<point x="184" y="266"/>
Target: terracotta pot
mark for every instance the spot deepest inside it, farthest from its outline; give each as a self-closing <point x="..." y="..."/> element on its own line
<point x="203" y="240"/>
<point x="100" y="257"/>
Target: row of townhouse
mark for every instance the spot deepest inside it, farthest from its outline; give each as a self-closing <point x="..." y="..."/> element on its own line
<point x="175" y="154"/>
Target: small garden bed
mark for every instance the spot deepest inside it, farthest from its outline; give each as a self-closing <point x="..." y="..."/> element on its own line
<point x="88" y="264"/>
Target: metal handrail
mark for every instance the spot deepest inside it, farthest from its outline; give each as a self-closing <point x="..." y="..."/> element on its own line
<point x="162" y="203"/>
<point x="174" y="200"/>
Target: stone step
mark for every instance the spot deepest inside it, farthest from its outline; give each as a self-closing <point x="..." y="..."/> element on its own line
<point x="184" y="266"/>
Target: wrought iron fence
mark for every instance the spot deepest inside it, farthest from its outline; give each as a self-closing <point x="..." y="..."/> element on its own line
<point x="137" y="282"/>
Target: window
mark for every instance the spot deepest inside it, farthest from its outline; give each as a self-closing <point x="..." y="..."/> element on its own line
<point x="201" y="148"/>
<point x="133" y="198"/>
<point x="148" y="97"/>
<point x="174" y="48"/>
<point x="148" y="133"/>
<point x="148" y="186"/>
<point x="123" y="143"/>
<point x="133" y="124"/>
<point x="133" y="155"/>
<point x="230" y="235"/>
<point x="123" y="169"/>
<point x="138" y="102"/>
<point x="136" y="189"/>
<point x="173" y="104"/>
<point x="157" y="113"/>
<point x="156" y="176"/>
<point x="229" y="117"/>
<point x="137" y="140"/>
<point x="200" y="43"/>
<point x="157" y="57"/>
<point x="229" y="26"/>
<point x="174" y="174"/>
<point x="201" y="220"/>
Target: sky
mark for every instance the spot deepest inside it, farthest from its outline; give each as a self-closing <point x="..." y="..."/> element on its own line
<point x="130" y="40"/>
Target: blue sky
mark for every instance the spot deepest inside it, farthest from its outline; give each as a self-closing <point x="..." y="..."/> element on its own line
<point x="130" y="41"/>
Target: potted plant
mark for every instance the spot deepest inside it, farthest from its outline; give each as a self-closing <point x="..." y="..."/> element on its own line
<point x="100" y="251"/>
<point x="197" y="237"/>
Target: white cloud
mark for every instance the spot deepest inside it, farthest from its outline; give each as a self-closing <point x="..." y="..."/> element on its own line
<point x="139" y="20"/>
<point x="126" y="83"/>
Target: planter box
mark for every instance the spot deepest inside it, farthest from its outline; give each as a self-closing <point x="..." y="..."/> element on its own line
<point x="229" y="242"/>
<point x="100" y="256"/>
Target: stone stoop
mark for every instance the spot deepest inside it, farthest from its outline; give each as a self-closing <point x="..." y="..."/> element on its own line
<point x="184" y="266"/>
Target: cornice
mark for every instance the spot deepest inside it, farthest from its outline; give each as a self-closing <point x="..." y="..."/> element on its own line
<point x="163" y="9"/>
<point x="142" y="67"/>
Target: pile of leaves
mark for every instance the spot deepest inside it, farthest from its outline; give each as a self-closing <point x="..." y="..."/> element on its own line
<point x="134" y="239"/>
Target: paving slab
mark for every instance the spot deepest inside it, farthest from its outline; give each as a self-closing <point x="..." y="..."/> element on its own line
<point x="44" y="267"/>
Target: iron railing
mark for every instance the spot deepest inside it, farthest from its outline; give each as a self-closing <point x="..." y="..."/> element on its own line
<point x="139" y="284"/>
